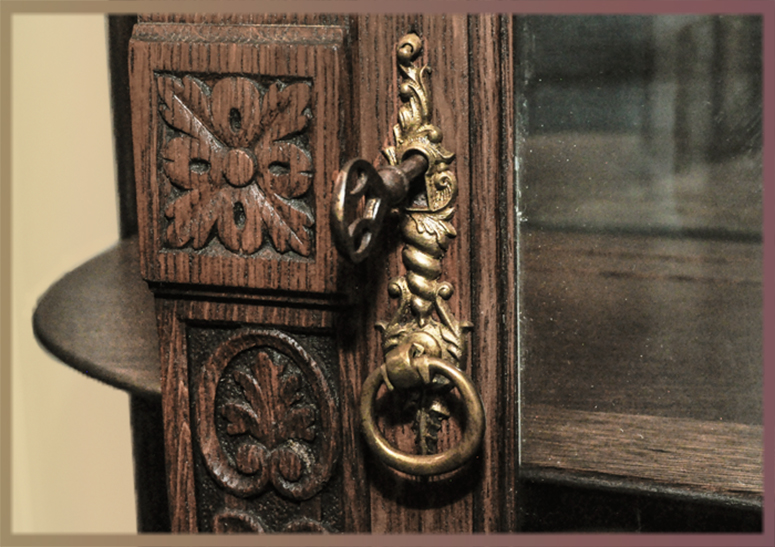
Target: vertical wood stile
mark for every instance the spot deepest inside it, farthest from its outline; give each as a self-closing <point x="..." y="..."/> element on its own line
<point x="492" y="244"/>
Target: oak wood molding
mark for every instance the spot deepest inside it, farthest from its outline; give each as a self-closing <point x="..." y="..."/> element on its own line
<point x="702" y="456"/>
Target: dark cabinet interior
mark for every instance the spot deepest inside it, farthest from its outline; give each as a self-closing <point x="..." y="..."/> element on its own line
<point x="641" y="271"/>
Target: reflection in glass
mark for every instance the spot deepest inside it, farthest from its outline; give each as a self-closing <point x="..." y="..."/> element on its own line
<point x="641" y="203"/>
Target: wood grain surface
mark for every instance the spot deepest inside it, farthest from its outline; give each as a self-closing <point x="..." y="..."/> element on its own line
<point x="238" y="132"/>
<point x="231" y="193"/>
<point x="493" y="262"/>
<point x="716" y="457"/>
<point x="643" y="325"/>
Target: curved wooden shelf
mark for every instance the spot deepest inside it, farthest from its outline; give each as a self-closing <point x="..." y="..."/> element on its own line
<point x="716" y="462"/>
<point x="100" y="320"/>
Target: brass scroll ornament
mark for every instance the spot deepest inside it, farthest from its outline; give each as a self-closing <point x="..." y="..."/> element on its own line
<point x="422" y="355"/>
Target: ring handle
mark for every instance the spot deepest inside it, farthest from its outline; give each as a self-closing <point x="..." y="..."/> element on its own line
<point x="423" y="338"/>
<point x="432" y="464"/>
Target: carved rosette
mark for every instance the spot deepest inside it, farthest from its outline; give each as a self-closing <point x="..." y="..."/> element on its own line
<point x="266" y="418"/>
<point x="237" y="156"/>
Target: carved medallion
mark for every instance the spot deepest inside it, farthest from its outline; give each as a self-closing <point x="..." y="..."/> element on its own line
<point x="238" y="131"/>
<point x="237" y="156"/>
<point x="266" y="417"/>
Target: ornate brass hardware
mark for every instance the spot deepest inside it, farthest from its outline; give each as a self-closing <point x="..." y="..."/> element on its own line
<point x="380" y="189"/>
<point x="423" y="355"/>
<point x="426" y="464"/>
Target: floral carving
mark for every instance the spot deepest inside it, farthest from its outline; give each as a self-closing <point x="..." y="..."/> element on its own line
<point x="238" y="160"/>
<point x="269" y="418"/>
<point x="277" y="417"/>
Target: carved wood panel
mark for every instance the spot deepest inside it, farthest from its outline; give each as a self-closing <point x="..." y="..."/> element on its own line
<point x="252" y="417"/>
<point x="235" y="168"/>
<point x="240" y="128"/>
<point x="267" y="430"/>
<point x="237" y="137"/>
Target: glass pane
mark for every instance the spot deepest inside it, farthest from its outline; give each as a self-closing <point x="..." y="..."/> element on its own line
<point x="641" y="206"/>
<point x="640" y="264"/>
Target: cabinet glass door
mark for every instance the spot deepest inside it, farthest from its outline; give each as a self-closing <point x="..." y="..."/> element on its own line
<point x="641" y="253"/>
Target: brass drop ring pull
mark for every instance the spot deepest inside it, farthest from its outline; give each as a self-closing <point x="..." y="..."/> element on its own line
<point x="424" y="346"/>
<point x="429" y="464"/>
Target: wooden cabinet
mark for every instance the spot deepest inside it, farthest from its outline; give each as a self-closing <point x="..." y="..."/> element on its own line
<point x="240" y="124"/>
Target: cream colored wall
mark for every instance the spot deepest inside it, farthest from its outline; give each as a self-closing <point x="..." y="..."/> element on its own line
<point x="71" y="446"/>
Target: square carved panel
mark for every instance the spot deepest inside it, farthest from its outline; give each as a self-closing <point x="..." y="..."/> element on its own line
<point x="237" y="140"/>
